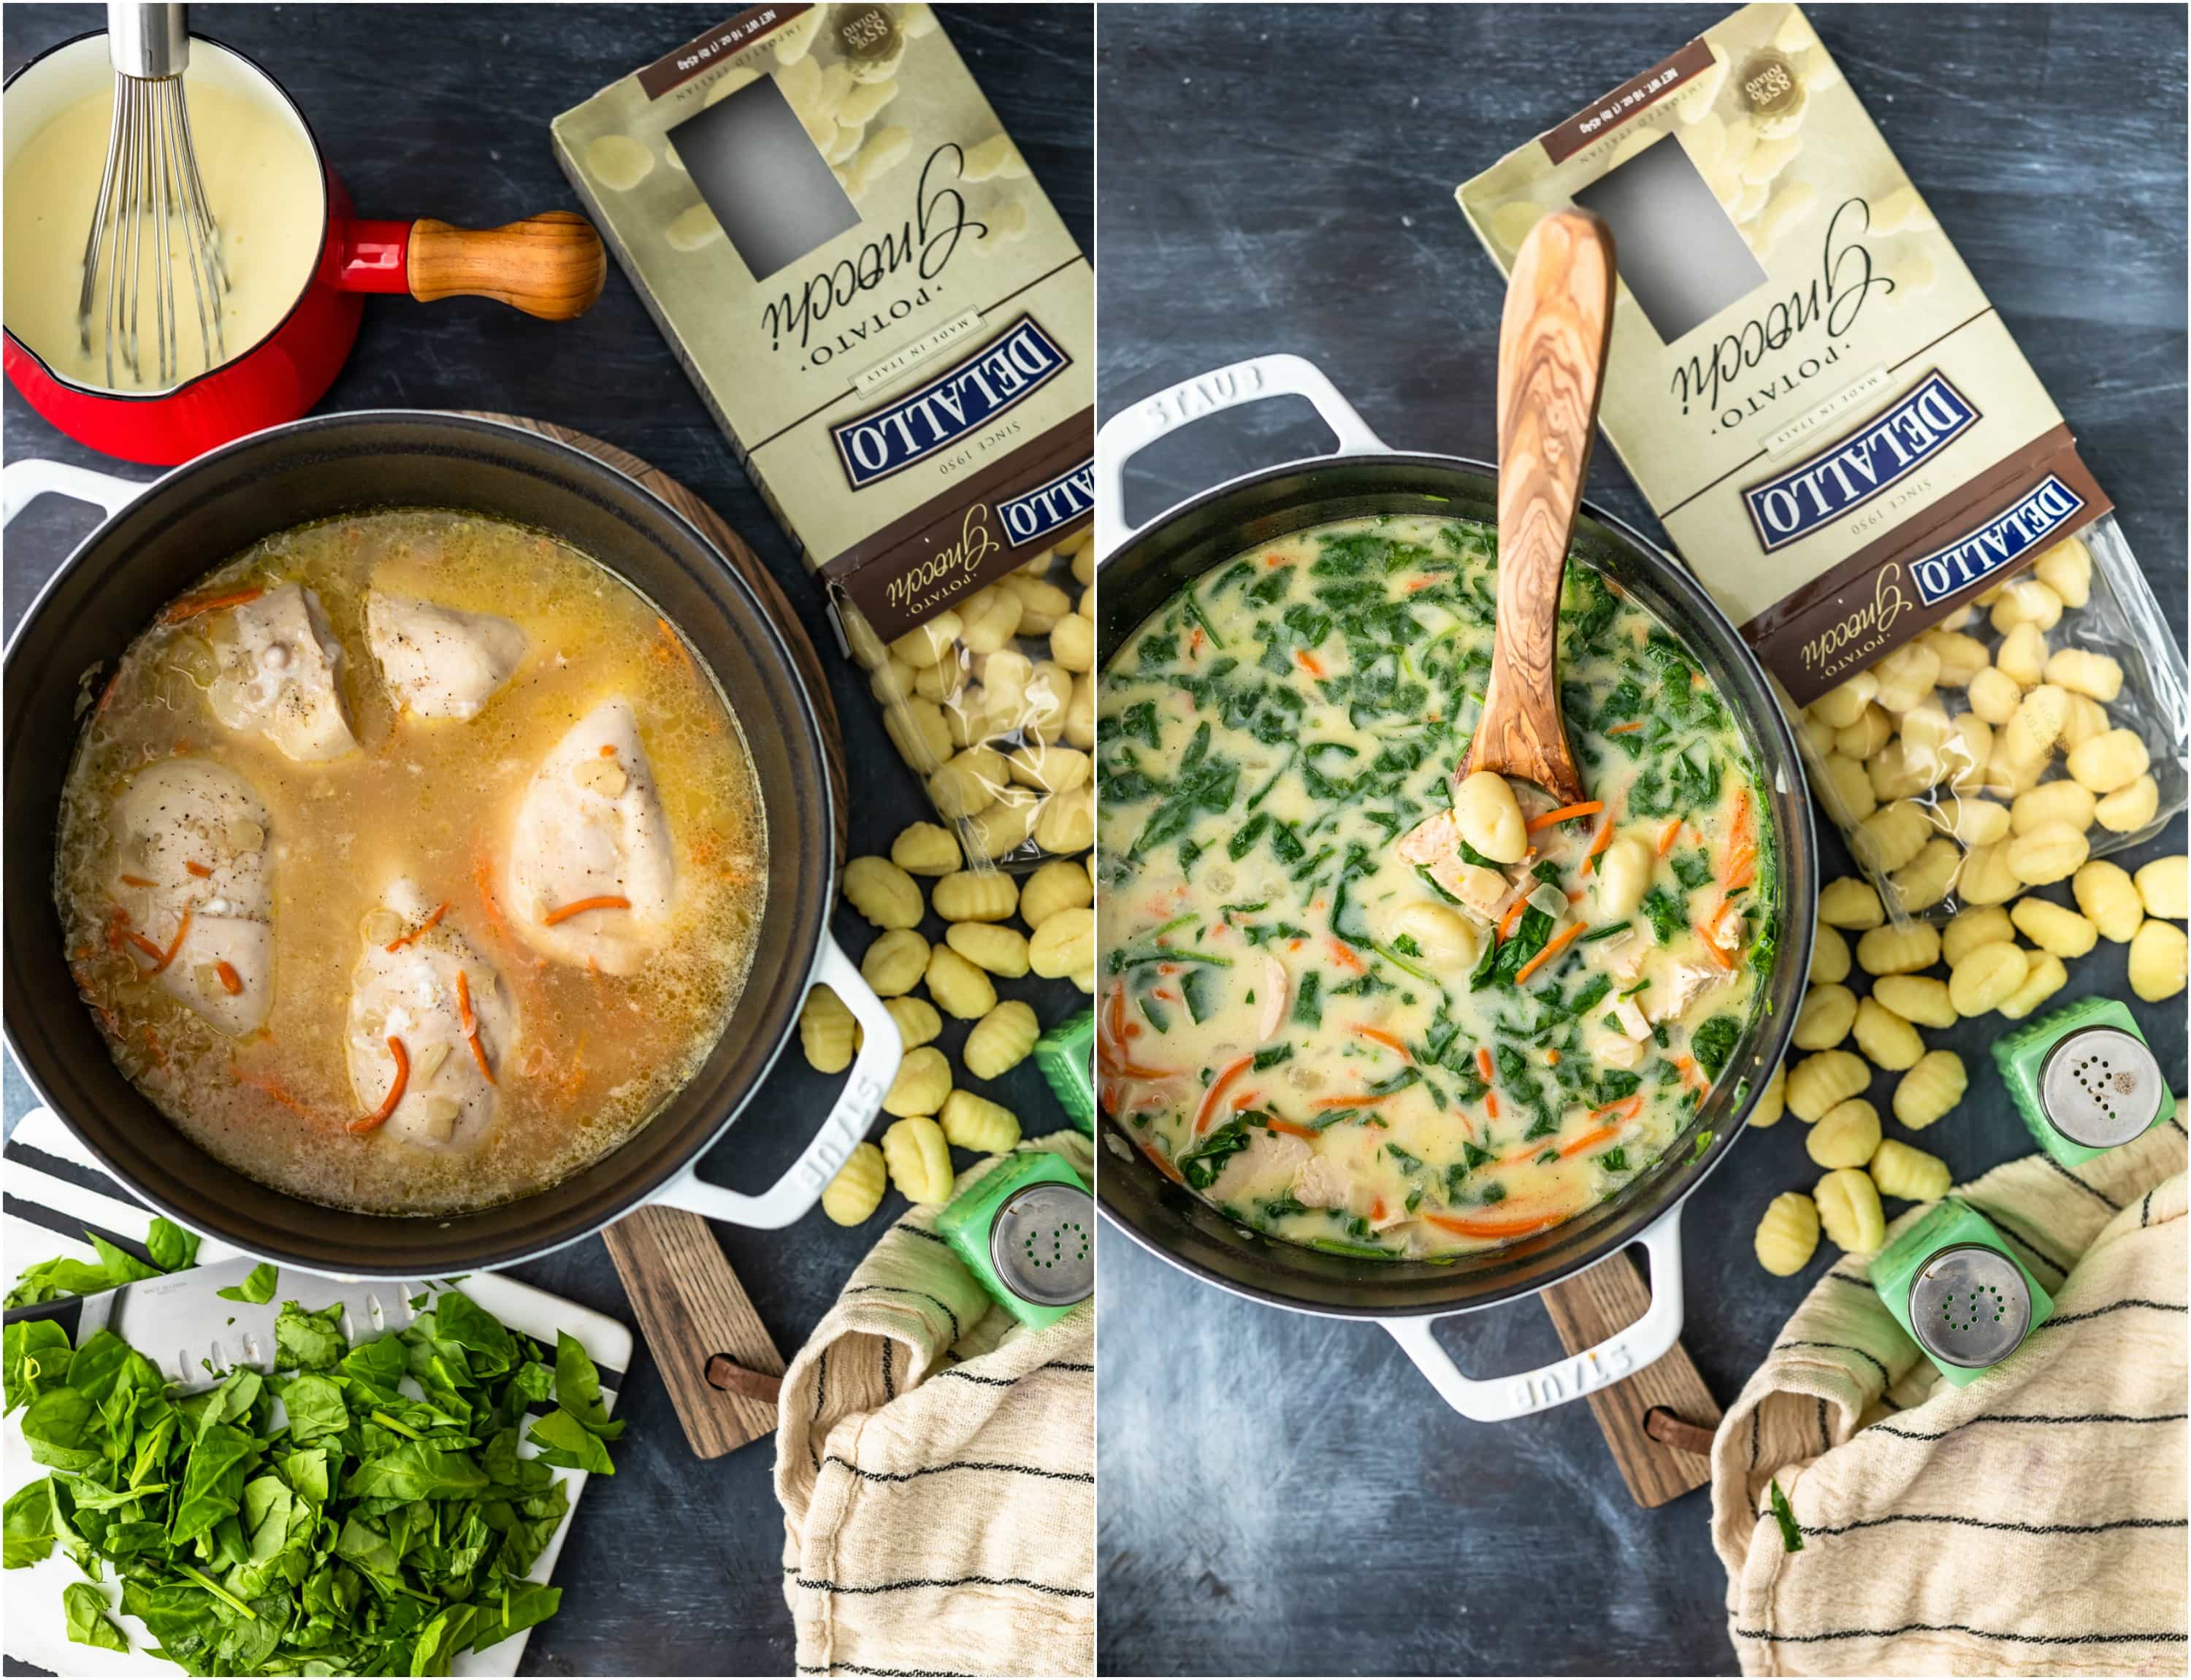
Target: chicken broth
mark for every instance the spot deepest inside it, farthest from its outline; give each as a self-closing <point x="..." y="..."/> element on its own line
<point x="1323" y="1010"/>
<point x="410" y="862"/>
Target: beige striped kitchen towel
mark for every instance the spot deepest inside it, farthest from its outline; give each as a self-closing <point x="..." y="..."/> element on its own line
<point x="936" y="1464"/>
<point x="2032" y="1523"/>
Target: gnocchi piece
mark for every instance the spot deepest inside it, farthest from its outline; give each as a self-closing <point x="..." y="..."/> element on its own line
<point x="2127" y="810"/>
<point x="1908" y="1174"/>
<point x="1987" y="978"/>
<point x="993" y="833"/>
<point x="1067" y="822"/>
<point x="1489" y="817"/>
<point x="2053" y="851"/>
<point x="2027" y="737"/>
<point x="1962" y="657"/>
<point x="1041" y="603"/>
<point x="827" y="1032"/>
<point x="1839" y="707"/>
<point x="2110" y="899"/>
<point x="1994" y="695"/>
<point x="1865" y="736"/>
<point x="975" y="895"/>
<point x="960" y="990"/>
<point x="1847" y="1134"/>
<point x="1850" y="903"/>
<point x="1847" y="789"/>
<point x="1889" y="1040"/>
<point x="1825" y="1021"/>
<point x="892" y="679"/>
<point x="1849" y="1211"/>
<point x="1061" y="884"/>
<point x="2060" y="801"/>
<point x="1971" y="928"/>
<point x="1446" y="941"/>
<point x="2109" y="761"/>
<point x="883" y="892"/>
<point x="2045" y="977"/>
<point x="1079" y="728"/>
<point x="1064" y="946"/>
<point x="1771" y="1101"/>
<point x="918" y="1158"/>
<point x="2083" y="671"/>
<point x="857" y="1191"/>
<point x="1966" y="751"/>
<point x="2026" y="600"/>
<point x="1830" y="956"/>
<point x="925" y="644"/>
<point x="1000" y="1040"/>
<point x="1906" y="676"/>
<point x="1788" y="1235"/>
<point x="1901" y="768"/>
<point x="1623" y="874"/>
<point x="918" y="1023"/>
<point x="2066" y="570"/>
<point x="1988" y="878"/>
<point x="1917" y="998"/>
<point x="1930" y="1090"/>
<point x="893" y="963"/>
<point x="1001" y="950"/>
<point x="2163" y="887"/>
<point x="967" y="782"/>
<point x="2053" y="928"/>
<point x="1072" y="643"/>
<point x="1053" y="770"/>
<point x="920" y="731"/>
<point x="1817" y="1082"/>
<point x="1893" y="834"/>
<point x="1898" y="950"/>
<point x="2087" y="718"/>
<point x="923" y="1081"/>
<point x="1924" y="881"/>
<point x="2157" y="956"/>
<point x="1975" y="822"/>
<point x="976" y="1123"/>
<point x="992" y="618"/>
<point x="925" y="849"/>
<point x="2022" y="656"/>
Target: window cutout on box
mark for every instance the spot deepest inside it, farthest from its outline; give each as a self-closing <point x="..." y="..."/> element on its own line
<point x="1683" y="257"/>
<point x="767" y="183"/>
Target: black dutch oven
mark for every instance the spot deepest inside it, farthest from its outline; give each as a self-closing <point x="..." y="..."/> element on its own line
<point x="1140" y="571"/>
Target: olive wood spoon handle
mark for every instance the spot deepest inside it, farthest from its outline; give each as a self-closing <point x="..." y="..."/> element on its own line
<point x="551" y="265"/>
<point x="1552" y="340"/>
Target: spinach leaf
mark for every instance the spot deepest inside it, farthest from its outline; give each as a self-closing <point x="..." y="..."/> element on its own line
<point x="34" y="1354"/>
<point x="256" y="1289"/>
<point x="1667" y="914"/>
<point x="309" y="1341"/>
<point x="579" y="1388"/>
<point x="85" y="1607"/>
<point x="565" y="1442"/>
<point x="1714" y="1042"/>
<point x="173" y="1248"/>
<point x="1308" y="1005"/>
<point x="1201" y="1165"/>
<point x="30" y="1522"/>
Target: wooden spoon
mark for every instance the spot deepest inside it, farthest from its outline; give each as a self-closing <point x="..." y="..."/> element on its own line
<point x="1552" y="341"/>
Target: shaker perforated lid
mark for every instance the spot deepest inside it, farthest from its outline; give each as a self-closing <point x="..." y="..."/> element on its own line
<point x="2101" y="1086"/>
<point x="1043" y="1243"/>
<point x="1969" y="1306"/>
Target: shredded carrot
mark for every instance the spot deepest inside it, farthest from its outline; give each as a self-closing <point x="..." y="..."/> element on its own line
<point x="1597" y="846"/>
<point x="1558" y="943"/>
<point x="230" y="981"/>
<point x="1625" y="729"/>
<point x="608" y="749"/>
<point x="365" y="1123"/>
<point x="1246" y="1099"/>
<point x="198" y="869"/>
<point x="1742" y="844"/>
<point x="1513" y="915"/>
<point x="1484" y="1060"/>
<point x="135" y="881"/>
<point x="470" y="1021"/>
<point x="1666" y="835"/>
<point x="1308" y="661"/>
<point x="1477" y="1225"/>
<point x="1194" y="642"/>
<point x="1233" y="1070"/>
<point x="1588" y="808"/>
<point x="180" y="610"/>
<point x="1377" y="1210"/>
<point x="1551" y="1058"/>
<point x="1724" y="959"/>
<point x="161" y="958"/>
<point x="1162" y="1162"/>
<point x="1491" y="1105"/>
<point x="1391" y="1041"/>
<point x="1687" y="1067"/>
<point x="1346" y="958"/>
<point x="272" y="1087"/>
<point x="1628" y="1108"/>
<point x="1292" y="1130"/>
<point x="400" y="940"/>
<point x="1361" y="1100"/>
<point x="579" y="907"/>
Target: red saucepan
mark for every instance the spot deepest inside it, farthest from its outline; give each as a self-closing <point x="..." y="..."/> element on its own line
<point x="550" y="265"/>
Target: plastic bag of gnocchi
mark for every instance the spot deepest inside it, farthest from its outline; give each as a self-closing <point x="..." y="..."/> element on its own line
<point x="1844" y="444"/>
<point x="889" y="320"/>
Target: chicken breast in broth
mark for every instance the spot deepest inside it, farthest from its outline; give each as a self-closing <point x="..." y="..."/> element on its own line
<point x="411" y="862"/>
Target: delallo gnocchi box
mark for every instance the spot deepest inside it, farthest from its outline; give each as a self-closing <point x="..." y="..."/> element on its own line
<point x="1844" y="444"/>
<point x="887" y="316"/>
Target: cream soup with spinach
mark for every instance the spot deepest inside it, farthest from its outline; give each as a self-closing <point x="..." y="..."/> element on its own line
<point x="1326" y="1011"/>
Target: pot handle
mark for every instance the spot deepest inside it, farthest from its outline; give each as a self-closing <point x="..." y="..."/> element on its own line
<point x="551" y="265"/>
<point x="23" y="482"/>
<point x="1129" y="431"/>
<point x="1496" y="1399"/>
<point x="849" y="1118"/>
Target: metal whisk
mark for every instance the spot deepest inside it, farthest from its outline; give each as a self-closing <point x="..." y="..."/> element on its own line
<point x="153" y="207"/>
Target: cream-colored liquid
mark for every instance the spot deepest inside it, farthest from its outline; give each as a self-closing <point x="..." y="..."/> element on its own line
<point x="264" y="186"/>
<point x="594" y="1054"/>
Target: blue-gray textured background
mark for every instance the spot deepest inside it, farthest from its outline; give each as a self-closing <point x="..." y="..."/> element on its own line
<point x="1283" y="1494"/>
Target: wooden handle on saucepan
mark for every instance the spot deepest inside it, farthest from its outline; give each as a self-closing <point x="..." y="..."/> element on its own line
<point x="550" y="265"/>
<point x="1552" y="341"/>
<point x="717" y="1357"/>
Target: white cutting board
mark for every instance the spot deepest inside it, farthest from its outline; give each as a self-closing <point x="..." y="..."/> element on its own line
<point x="36" y="1631"/>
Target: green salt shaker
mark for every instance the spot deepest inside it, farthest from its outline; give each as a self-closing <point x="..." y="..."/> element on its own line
<point x="1065" y="1055"/>
<point x="2084" y="1080"/>
<point x="1952" y="1283"/>
<point x="1027" y="1229"/>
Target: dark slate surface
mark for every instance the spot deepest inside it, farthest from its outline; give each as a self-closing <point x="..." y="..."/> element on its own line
<point x="675" y="1566"/>
<point x="1283" y="1494"/>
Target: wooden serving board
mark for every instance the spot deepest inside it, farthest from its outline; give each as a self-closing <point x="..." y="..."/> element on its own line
<point x="718" y="1360"/>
